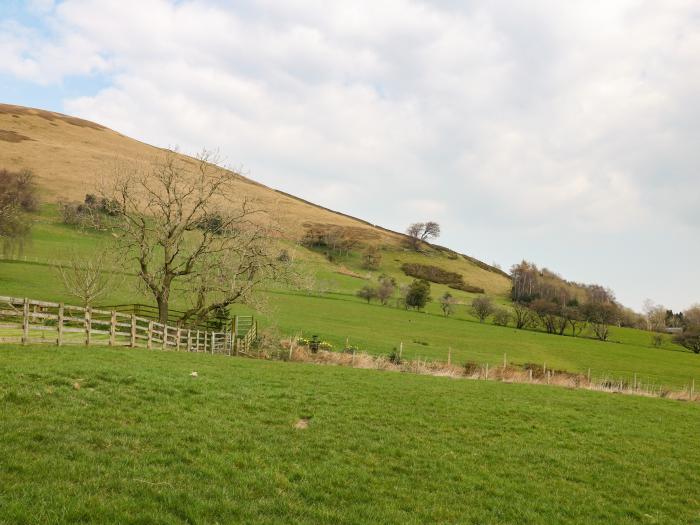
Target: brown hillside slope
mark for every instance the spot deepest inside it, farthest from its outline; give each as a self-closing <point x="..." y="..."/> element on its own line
<point x="69" y="155"/>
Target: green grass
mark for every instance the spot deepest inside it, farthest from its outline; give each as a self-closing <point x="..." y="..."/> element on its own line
<point x="143" y="442"/>
<point x="338" y="316"/>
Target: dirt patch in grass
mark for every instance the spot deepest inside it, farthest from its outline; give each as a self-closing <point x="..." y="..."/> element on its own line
<point x="12" y="136"/>
<point x="302" y="423"/>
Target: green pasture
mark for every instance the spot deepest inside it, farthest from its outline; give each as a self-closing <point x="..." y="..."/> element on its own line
<point x="337" y="315"/>
<point x="99" y="435"/>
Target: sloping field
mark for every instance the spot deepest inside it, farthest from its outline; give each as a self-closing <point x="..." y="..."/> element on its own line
<point x="70" y="155"/>
<point x="115" y="436"/>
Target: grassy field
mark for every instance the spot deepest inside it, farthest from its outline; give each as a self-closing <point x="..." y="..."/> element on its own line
<point x="141" y="441"/>
<point x="337" y="315"/>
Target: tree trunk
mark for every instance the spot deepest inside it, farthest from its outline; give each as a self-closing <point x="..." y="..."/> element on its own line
<point x="163" y="310"/>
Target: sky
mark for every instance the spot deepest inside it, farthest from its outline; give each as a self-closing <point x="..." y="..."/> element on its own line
<point x="564" y="133"/>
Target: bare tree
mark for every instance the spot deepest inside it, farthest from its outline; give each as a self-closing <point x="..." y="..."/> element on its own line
<point x="601" y="316"/>
<point x="655" y="315"/>
<point x="692" y="317"/>
<point x="482" y="307"/>
<point x="420" y="232"/>
<point x="386" y="289"/>
<point x="367" y="293"/>
<point x="522" y="316"/>
<point x="174" y="217"/>
<point x="447" y="304"/>
<point x="87" y="277"/>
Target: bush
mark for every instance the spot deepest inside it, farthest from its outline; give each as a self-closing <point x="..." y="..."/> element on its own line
<point x="501" y="317"/>
<point x="689" y="340"/>
<point x="394" y="357"/>
<point x="418" y="294"/>
<point x="482" y="308"/>
<point x="466" y="288"/>
<point x="434" y="274"/>
<point x="367" y="293"/>
<point x="471" y="368"/>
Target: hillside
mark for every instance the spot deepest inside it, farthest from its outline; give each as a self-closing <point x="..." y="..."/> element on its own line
<point x="68" y="155"/>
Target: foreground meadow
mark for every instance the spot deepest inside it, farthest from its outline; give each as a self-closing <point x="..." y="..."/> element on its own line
<point x="116" y="435"/>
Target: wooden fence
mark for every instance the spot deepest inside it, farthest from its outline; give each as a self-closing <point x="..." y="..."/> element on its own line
<point x="28" y="321"/>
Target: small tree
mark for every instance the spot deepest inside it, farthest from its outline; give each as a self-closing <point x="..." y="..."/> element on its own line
<point x="367" y="293"/>
<point x="447" y="304"/>
<point x="692" y="317"/>
<point x="689" y="340"/>
<point x="386" y="289"/>
<point x="522" y="315"/>
<point x="87" y="277"/>
<point x="600" y="316"/>
<point x="371" y="258"/>
<point x="501" y="317"/>
<point x="417" y="294"/>
<point x="482" y="307"/>
<point x="420" y="232"/>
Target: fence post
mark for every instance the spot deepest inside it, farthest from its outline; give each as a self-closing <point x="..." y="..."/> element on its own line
<point x="178" y="335"/>
<point x="112" y="328"/>
<point x="88" y="325"/>
<point x="197" y="345"/>
<point x="59" y="327"/>
<point x="164" y="335"/>
<point x="228" y="342"/>
<point x="213" y="341"/>
<point x="25" y="322"/>
<point x="205" y="342"/>
<point x="189" y="340"/>
<point x="149" y="345"/>
<point x="133" y="330"/>
<point x="235" y="325"/>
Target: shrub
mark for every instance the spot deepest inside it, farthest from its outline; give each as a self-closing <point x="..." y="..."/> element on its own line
<point x="434" y="274"/>
<point x="367" y="293"/>
<point x="466" y="288"/>
<point x="394" y="357"/>
<point x="482" y="308"/>
<point x="471" y="368"/>
<point x="325" y="345"/>
<point x="689" y="340"/>
<point x="417" y="294"/>
<point x="501" y="317"/>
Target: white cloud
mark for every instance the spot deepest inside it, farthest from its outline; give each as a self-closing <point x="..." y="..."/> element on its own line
<point x="546" y="120"/>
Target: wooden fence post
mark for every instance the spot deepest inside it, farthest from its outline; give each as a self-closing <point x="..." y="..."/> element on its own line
<point x="88" y="325"/>
<point x="133" y="330"/>
<point x="178" y="335"/>
<point x="164" y="335"/>
<point x="197" y="345"/>
<point x="205" y="342"/>
<point x="149" y="345"/>
<point x="113" y="328"/>
<point x="59" y="326"/>
<point x="189" y="340"/>
<point x="25" y="322"/>
<point x="213" y="341"/>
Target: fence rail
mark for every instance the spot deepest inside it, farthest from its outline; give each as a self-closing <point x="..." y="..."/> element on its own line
<point x="28" y="321"/>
